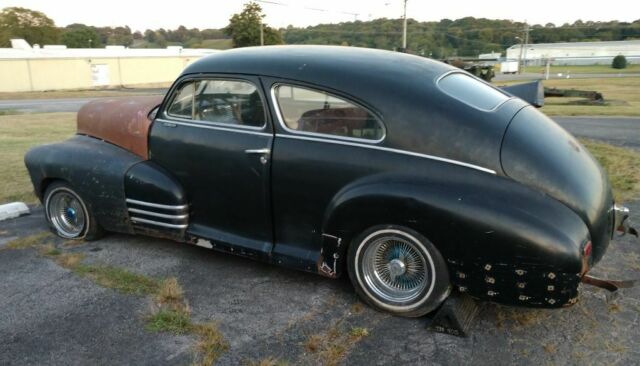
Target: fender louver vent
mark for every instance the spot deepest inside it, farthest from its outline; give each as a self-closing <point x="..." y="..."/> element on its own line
<point x="158" y="215"/>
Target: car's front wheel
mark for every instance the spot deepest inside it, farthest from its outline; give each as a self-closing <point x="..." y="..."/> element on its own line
<point x="68" y="214"/>
<point x="396" y="269"/>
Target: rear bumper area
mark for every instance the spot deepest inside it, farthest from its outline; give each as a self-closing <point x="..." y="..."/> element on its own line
<point x="518" y="285"/>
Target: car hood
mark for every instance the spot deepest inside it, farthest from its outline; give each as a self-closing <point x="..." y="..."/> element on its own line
<point x="539" y="153"/>
<point x="121" y="121"/>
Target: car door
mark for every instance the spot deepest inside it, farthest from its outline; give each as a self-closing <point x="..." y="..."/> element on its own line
<point x="214" y="135"/>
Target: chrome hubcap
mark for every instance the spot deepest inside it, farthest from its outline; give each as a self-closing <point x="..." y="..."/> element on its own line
<point x="395" y="269"/>
<point x="66" y="214"/>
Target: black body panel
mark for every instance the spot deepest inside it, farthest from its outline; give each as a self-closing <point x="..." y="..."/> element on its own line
<point x="95" y="168"/>
<point x="227" y="185"/>
<point x="539" y="153"/>
<point x="507" y="197"/>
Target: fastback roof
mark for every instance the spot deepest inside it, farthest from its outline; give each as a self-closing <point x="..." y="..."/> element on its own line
<point x="319" y="64"/>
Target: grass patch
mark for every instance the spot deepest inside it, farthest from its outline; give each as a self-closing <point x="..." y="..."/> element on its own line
<point x="269" y="361"/>
<point x="171" y="313"/>
<point x="118" y="279"/>
<point x="211" y="343"/>
<point x="69" y="260"/>
<point x="621" y="164"/>
<point x="625" y="89"/>
<point x="50" y="251"/>
<point x="58" y="94"/>
<point x="169" y="320"/>
<point x="8" y="112"/>
<point x="331" y="346"/>
<point x="18" y="134"/>
<point x="28" y="241"/>
<point x="583" y="69"/>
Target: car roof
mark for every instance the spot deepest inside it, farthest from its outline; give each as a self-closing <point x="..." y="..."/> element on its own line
<point x="320" y="64"/>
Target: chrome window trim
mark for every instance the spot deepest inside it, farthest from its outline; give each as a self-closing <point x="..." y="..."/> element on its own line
<point x="213" y="127"/>
<point x="388" y="149"/>
<point x="437" y="82"/>
<point x="164" y="216"/>
<point x="276" y="107"/>
<point x="158" y="223"/>
<point x="156" y="205"/>
<point x="165" y="112"/>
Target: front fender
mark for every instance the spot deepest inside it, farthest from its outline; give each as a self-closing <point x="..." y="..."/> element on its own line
<point x="468" y="217"/>
<point x="94" y="168"/>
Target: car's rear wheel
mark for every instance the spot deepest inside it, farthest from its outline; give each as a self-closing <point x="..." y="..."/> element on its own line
<point x="396" y="269"/>
<point x="68" y="214"/>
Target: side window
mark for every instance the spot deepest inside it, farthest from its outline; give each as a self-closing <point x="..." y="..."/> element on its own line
<point x="182" y="104"/>
<point x="221" y="101"/>
<point x="315" y="111"/>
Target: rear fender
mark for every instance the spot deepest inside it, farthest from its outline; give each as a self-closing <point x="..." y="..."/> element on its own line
<point x="484" y="217"/>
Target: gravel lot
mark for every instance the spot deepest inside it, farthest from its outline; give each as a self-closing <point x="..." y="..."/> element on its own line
<point x="52" y="316"/>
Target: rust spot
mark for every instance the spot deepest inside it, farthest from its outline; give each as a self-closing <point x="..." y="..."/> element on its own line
<point x="120" y="121"/>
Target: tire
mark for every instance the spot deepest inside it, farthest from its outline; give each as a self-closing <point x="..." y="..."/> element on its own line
<point x="397" y="270"/>
<point x="68" y="215"/>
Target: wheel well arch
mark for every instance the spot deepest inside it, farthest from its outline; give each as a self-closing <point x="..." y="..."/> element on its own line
<point x="464" y="222"/>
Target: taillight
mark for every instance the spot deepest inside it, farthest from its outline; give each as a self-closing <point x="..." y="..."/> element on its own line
<point x="587" y="249"/>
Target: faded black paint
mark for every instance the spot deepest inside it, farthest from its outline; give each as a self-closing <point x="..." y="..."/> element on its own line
<point x="305" y="204"/>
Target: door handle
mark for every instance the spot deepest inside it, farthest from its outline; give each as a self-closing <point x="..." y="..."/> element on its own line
<point x="258" y="151"/>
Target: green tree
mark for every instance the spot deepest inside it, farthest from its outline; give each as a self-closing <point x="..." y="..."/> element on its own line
<point x="30" y="25"/>
<point x="619" y="62"/>
<point x="244" y="28"/>
<point x="80" y="36"/>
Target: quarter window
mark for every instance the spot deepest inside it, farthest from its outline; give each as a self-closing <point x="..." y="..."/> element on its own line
<point x="315" y="111"/>
<point x="220" y="101"/>
<point x="471" y="91"/>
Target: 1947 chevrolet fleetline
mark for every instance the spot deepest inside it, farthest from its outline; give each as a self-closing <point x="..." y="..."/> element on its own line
<point x="411" y="176"/>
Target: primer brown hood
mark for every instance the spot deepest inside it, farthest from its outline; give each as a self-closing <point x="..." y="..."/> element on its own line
<point x="120" y="121"/>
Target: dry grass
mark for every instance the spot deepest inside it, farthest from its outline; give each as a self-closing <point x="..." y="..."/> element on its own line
<point x="357" y="307"/>
<point x="169" y="292"/>
<point x="622" y="165"/>
<point x="625" y="89"/>
<point x="28" y="241"/>
<point x="211" y="343"/>
<point x="550" y="348"/>
<point x="18" y="133"/>
<point x="171" y="313"/>
<point x="269" y="361"/>
<point x="118" y="279"/>
<point x="50" y="250"/>
<point x="331" y="346"/>
<point x="69" y="260"/>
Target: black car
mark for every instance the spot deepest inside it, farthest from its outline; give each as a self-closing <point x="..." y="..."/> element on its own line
<point x="411" y="176"/>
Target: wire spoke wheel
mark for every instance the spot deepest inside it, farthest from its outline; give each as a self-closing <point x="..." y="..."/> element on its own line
<point x="66" y="213"/>
<point x="395" y="269"/>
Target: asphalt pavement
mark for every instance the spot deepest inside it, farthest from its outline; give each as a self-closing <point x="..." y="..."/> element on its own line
<point x="621" y="131"/>
<point x="50" y="315"/>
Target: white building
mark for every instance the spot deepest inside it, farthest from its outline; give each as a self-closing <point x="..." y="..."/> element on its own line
<point x="26" y="68"/>
<point x="575" y="53"/>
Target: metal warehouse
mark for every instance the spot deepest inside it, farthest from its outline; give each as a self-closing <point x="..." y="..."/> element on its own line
<point x="575" y="53"/>
<point x="27" y="68"/>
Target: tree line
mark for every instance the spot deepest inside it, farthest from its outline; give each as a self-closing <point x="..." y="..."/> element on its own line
<point x="462" y="37"/>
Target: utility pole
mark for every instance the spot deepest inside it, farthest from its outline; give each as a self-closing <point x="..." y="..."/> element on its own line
<point x="520" y="55"/>
<point x="404" y="28"/>
<point x="261" y="34"/>
<point x="526" y="45"/>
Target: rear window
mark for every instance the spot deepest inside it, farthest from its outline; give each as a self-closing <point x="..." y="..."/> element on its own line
<point x="471" y="91"/>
